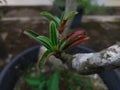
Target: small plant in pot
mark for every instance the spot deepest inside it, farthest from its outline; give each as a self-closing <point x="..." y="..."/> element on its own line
<point x="55" y="48"/>
<point x="52" y="68"/>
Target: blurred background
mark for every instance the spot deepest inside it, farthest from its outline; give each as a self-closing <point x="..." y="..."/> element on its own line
<point x="100" y="19"/>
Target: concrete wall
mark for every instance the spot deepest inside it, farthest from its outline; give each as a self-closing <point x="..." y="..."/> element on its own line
<point x="112" y="3"/>
<point x="27" y="2"/>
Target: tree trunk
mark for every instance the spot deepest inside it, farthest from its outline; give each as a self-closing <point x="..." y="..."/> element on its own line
<point x="71" y="5"/>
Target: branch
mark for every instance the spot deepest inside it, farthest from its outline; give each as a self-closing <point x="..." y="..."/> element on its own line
<point x="90" y="63"/>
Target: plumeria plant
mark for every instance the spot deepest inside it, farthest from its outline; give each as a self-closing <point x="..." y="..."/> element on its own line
<point x="57" y="43"/>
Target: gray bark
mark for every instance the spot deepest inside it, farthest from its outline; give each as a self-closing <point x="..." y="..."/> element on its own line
<point x="89" y="63"/>
<point x="106" y="59"/>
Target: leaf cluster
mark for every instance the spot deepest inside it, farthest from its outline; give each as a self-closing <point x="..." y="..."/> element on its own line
<point x="57" y="43"/>
<point x="43" y="82"/>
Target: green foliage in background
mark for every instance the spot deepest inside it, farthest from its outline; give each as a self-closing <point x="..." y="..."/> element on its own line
<point x="60" y="81"/>
<point x="43" y="82"/>
<point x="89" y="6"/>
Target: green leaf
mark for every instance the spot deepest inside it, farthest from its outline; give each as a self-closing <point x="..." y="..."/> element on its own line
<point x="37" y="83"/>
<point x="43" y="58"/>
<point x="45" y="41"/>
<point x="53" y="82"/>
<point x="42" y="39"/>
<point x="32" y="81"/>
<point x="51" y="17"/>
<point x="62" y="16"/>
<point x="42" y="85"/>
<point x="71" y="15"/>
<point x="57" y="21"/>
<point x="53" y="34"/>
<point x="31" y="34"/>
<point x="62" y="43"/>
<point x="42" y="80"/>
<point x="42" y="77"/>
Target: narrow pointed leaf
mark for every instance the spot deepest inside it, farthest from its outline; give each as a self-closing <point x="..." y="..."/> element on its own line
<point x="71" y="15"/>
<point x="53" y="82"/>
<point x="76" y="42"/>
<point x="31" y="34"/>
<point x="70" y="37"/>
<point x="42" y="39"/>
<point x="43" y="58"/>
<point x="32" y="81"/>
<point x="62" y="16"/>
<point x="75" y="34"/>
<point x="41" y="85"/>
<point x="51" y="17"/>
<point x="62" y="43"/>
<point x="61" y="29"/>
<point x="57" y="21"/>
<point x="42" y="77"/>
<point x="63" y="23"/>
<point x="45" y="41"/>
<point x="53" y="34"/>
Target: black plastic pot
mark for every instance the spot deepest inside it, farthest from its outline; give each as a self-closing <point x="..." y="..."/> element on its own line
<point x="10" y="74"/>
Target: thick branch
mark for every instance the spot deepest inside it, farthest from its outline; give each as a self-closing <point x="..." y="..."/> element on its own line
<point x="97" y="62"/>
<point x="90" y="63"/>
